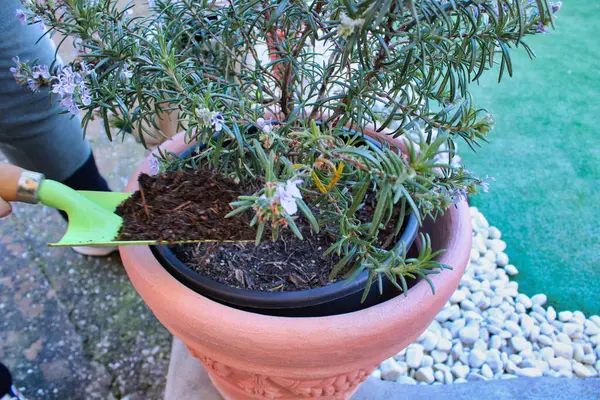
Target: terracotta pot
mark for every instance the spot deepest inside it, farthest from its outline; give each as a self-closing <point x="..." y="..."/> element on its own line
<point x="253" y="356"/>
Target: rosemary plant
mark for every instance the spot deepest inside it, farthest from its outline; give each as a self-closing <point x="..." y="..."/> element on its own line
<point x="283" y="92"/>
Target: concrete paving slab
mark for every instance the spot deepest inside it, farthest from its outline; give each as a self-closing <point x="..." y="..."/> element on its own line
<point x="187" y="379"/>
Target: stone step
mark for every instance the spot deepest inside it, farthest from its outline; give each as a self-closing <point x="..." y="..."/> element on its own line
<point x="188" y="380"/>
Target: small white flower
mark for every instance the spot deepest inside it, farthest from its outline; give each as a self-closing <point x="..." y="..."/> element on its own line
<point x="218" y="121"/>
<point x="287" y="195"/>
<point x="348" y="25"/>
<point x="265" y="126"/>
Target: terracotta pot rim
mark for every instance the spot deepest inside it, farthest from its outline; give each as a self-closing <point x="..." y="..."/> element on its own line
<point x="309" y="331"/>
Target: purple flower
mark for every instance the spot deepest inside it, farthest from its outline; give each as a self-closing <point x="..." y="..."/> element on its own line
<point x="33" y="84"/>
<point x="68" y="84"/>
<point x="485" y="183"/>
<point x="218" y="121"/>
<point x="70" y="104"/>
<point x="68" y="81"/>
<point x="21" y="16"/>
<point x="154" y="167"/>
<point x="85" y="67"/>
<point x="541" y="28"/>
<point x="41" y="71"/>
<point x="86" y="98"/>
<point x="555" y="7"/>
<point x="16" y="70"/>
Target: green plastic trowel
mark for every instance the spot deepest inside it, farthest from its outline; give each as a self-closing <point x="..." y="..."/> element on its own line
<point x="92" y="221"/>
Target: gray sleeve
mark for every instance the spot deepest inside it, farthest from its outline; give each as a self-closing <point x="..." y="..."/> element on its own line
<point x="32" y="133"/>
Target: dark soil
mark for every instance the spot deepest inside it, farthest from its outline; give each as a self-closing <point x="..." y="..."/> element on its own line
<point x="192" y="205"/>
<point x="288" y="264"/>
<point x="183" y="205"/>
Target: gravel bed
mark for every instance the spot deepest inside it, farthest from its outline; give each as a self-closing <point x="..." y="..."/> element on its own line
<point x="488" y="330"/>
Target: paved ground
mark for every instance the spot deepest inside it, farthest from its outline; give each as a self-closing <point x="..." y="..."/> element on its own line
<point x="73" y="327"/>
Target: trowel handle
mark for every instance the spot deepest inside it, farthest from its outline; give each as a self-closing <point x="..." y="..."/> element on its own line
<point x="17" y="184"/>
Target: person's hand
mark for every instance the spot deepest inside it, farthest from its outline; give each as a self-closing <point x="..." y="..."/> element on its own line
<point x="5" y="208"/>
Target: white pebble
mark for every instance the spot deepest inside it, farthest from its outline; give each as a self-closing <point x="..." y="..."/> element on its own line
<point x="513" y="328"/>
<point x="565" y="316"/>
<point x="579" y="316"/>
<point x="578" y="353"/>
<point x="427" y="361"/>
<point x="591" y="328"/>
<point x="527" y="325"/>
<point x="475" y="376"/>
<point x="529" y="372"/>
<point x="570" y="329"/>
<point x="459" y="370"/>
<point x="444" y="344"/>
<point x="502" y="259"/>
<point x="495" y="342"/>
<point x="467" y="305"/>
<point x="492" y="358"/>
<point x="496" y="245"/>
<point x="563" y="338"/>
<point x="439" y="356"/>
<point x="430" y="341"/>
<point x="563" y="350"/>
<point x="414" y="355"/>
<point x="525" y="300"/>
<point x="589" y="359"/>
<point x="406" y="380"/>
<point x="560" y="364"/>
<point x="519" y="343"/>
<point x="376" y="373"/>
<point x="439" y="376"/>
<point x="547" y="353"/>
<point x="479" y="244"/>
<point x="595" y="319"/>
<point x="539" y="299"/>
<point x="551" y="314"/>
<point x="475" y="255"/>
<point x="544" y="340"/>
<point x="494" y="233"/>
<point x="425" y="374"/>
<point x="584" y="371"/>
<point x="457" y="350"/>
<point x="476" y="358"/>
<point x="392" y="370"/>
<point x="469" y="334"/>
<point x="448" y="379"/>
<point x="511" y="270"/>
<point x="458" y="296"/>
<point x="546" y="328"/>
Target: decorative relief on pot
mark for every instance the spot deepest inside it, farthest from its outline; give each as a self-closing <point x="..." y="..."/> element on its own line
<point x="260" y="386"/>
<point x="211" y="365"/>
<point x="273" y="387"/>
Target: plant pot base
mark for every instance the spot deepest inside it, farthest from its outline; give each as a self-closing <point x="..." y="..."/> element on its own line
<point x="192" y="375"/>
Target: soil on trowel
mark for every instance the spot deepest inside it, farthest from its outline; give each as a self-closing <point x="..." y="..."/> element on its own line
<point x="183" y="205"/>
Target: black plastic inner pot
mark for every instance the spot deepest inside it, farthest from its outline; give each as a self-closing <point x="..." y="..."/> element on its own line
<point x="337" y="298"/>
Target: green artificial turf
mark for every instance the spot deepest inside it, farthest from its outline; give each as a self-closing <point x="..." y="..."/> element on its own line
<point x="545" y="156"/>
